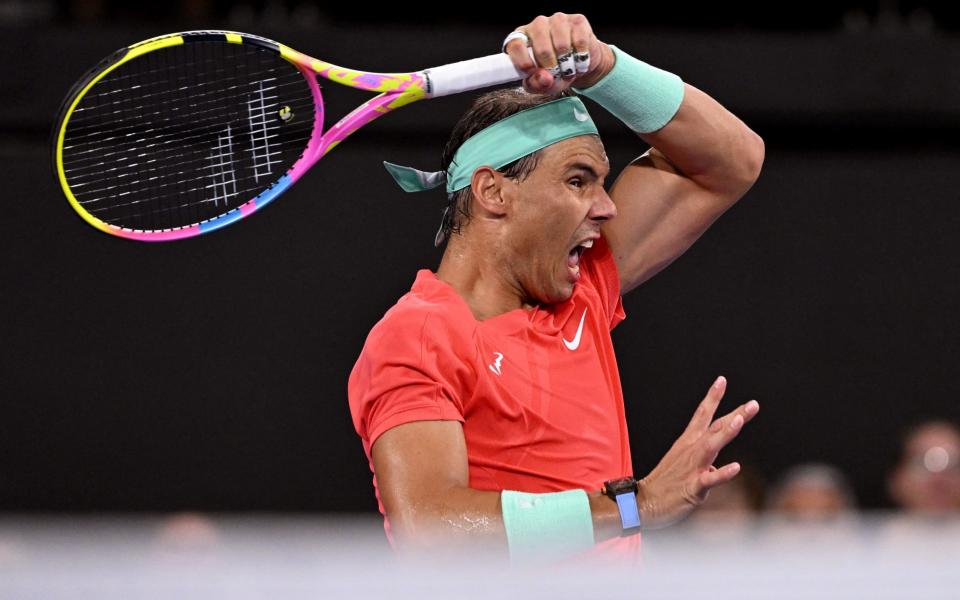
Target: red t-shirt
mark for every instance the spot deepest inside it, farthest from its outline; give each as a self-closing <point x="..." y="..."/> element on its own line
<point x="537" y="391"/>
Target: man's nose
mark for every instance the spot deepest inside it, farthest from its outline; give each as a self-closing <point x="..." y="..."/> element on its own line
<point x="603" y="208"/>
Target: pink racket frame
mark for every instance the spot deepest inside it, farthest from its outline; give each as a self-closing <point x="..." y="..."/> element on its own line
<point x="395" y="90"/>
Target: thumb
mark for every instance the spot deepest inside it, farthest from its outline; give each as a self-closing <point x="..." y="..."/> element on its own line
<point x="540" y="81"/>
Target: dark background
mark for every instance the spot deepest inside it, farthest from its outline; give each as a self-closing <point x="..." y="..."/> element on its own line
<point x="211" y="373"/>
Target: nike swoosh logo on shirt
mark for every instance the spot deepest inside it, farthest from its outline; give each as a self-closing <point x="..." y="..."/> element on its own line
<point x="575" y="343"/>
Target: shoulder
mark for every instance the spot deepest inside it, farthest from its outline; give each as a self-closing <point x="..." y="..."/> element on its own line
<point x="414" y="366"/>
<point x="417" y="324"/>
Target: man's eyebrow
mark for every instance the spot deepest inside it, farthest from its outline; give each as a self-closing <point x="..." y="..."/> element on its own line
<point x="585" y="166"/>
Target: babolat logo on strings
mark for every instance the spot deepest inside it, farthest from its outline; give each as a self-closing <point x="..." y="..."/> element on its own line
<point x="285" y="114"/>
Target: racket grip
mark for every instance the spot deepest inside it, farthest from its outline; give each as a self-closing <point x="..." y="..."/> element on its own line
<point x="473" y="74"/>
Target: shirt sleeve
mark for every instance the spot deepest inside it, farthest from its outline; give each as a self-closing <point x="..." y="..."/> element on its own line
<point x="403" y="374"/>
<point x="599" y="270"/>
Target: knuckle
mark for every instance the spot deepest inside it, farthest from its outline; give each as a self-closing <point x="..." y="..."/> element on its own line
<point x="688" y="495"/>
<point x="712" y="446"/>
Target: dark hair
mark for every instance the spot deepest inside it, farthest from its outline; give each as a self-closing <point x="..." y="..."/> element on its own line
<point x="485" y="111"/>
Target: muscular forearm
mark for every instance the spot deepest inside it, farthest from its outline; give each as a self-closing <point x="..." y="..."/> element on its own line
<point x="703" y="140"/>
<point x="461" y="517"/>
<point x="709" y="144"/>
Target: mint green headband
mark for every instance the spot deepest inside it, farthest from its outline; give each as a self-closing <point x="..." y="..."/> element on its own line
<point x="502" y="143"/>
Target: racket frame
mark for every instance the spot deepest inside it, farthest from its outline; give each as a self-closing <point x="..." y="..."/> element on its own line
<point x="395" y="90"/>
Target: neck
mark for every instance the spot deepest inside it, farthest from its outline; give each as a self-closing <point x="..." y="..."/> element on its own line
<point x="478" y="275"/>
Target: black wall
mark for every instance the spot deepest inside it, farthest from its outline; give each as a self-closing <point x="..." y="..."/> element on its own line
<point x="211" y="373"/>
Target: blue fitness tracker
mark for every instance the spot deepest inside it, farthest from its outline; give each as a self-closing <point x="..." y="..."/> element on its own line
<point x="624" y="492"/>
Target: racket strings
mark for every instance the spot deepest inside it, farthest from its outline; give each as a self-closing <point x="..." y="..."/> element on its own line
<point x="210" y="64"/>
<point x="212" y="107"/>
<point x="182" y="135"/>
<point x="183" y="172"/>
<point x="154" y="136"/>
<point x="157" y="182"/>
<point x="261" y="160"/>
<point x="155" y="99"/>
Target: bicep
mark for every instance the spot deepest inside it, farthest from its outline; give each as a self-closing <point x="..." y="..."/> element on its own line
<point x="415" y="464"/>
<point x="660" y="214"/>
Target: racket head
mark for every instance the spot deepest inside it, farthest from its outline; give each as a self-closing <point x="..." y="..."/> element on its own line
<point x="185" y="133"/>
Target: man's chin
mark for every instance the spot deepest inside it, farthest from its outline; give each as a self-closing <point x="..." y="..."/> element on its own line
<point x="563" y="294"/>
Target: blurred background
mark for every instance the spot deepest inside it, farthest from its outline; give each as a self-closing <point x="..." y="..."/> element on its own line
<point x="180" y="387"/>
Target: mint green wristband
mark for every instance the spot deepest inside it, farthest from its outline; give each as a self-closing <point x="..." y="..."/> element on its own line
<point x="644" y="97"/>
<point x="546" y="526"/>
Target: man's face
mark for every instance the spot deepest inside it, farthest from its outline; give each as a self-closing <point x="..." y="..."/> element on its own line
<point x="560" y="204"/>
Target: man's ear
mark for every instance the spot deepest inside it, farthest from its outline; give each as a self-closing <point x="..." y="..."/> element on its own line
<point x="490" y="191"/>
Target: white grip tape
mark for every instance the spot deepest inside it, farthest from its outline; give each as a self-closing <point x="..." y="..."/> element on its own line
<point x="475" y="73"/>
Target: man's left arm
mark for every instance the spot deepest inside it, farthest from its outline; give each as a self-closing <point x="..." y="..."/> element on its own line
<point x="700" y="164"/>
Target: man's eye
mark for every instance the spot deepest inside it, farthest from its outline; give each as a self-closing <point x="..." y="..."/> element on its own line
<point x="577" y="181"/>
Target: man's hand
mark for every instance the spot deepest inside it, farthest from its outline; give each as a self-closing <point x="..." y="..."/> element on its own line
<point x="553" y="38"/>
<point x="680" y="482"/>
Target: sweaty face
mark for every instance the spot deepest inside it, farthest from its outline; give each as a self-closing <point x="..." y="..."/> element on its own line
<point x="556" y="208"/>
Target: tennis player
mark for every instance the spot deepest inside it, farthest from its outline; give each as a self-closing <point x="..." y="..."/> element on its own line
<point x="488" y="398"/>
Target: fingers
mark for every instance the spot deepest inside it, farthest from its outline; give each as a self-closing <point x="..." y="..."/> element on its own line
<point x="707" y="408"/>
<point x="725" y="429"/>
<point x="517" y="51"/>
<point x="561" y="45"/>
<point x="714" y="477"/>
<point x="538" y="79"/>
<point x="542" y="43"/>
<point x="582" y="38"/>
<point x="562" y="34"/>
<point x="746" y="411"/>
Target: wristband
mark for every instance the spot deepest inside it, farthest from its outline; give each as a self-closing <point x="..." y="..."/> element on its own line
<point x="546" y="526"/>
<point x="644" y="97"/>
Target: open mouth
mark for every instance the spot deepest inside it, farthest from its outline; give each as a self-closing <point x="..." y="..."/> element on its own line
<point x="573" y="257"/>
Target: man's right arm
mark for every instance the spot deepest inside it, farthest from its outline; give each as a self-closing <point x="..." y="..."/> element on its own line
<point x="423" y="478"/>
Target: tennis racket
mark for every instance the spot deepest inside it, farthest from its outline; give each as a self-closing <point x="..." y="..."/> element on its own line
<point x="182" y="134"/>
